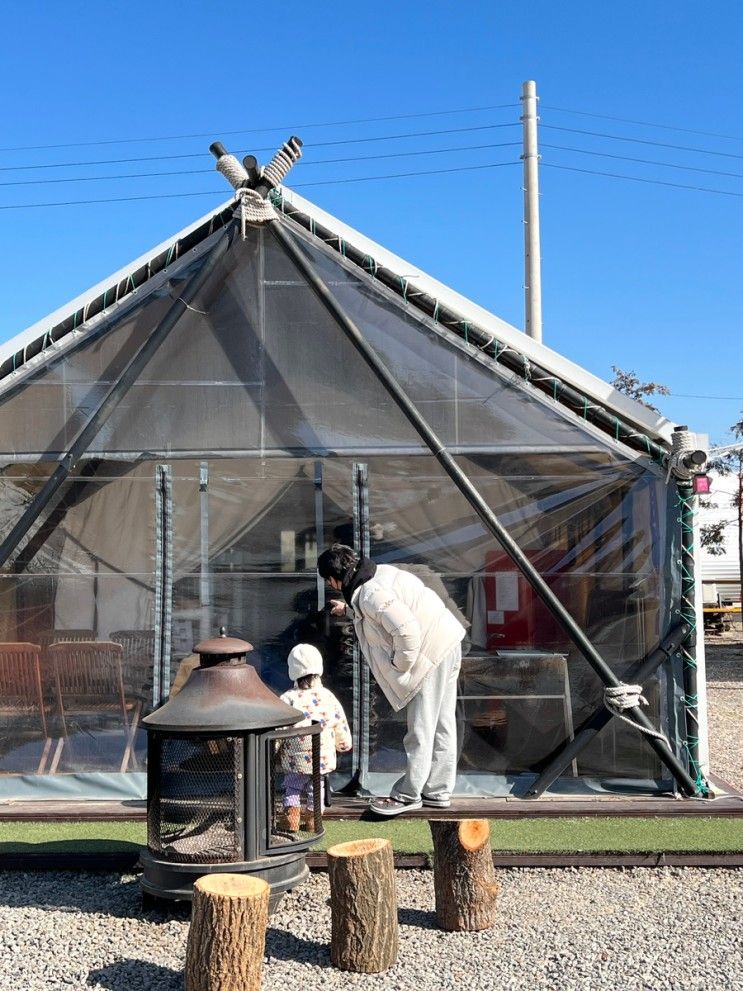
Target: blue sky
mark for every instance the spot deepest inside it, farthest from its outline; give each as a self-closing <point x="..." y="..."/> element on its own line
<point x="636" y="274"/>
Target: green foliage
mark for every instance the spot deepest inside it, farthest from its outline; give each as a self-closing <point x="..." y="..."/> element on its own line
<point x="630" y="385"/>
<point x="713" y="537"/>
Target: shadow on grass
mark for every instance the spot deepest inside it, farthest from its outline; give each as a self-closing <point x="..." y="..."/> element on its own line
<point x="127" y="974"/>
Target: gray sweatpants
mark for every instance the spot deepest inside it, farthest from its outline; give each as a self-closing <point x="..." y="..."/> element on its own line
<point x="431" y="740"/>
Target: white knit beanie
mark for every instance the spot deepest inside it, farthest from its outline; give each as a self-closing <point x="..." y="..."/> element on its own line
<point x="304" y="659"/>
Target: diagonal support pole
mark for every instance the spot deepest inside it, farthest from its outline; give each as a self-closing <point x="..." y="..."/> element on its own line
<point x="638" y="674"/>
<point x="110" y="401"/>
<point x="471" y="494"/>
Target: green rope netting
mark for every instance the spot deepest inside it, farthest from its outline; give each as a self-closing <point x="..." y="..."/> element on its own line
<point x="700" y="782"/>
<point x="685" y="519"/>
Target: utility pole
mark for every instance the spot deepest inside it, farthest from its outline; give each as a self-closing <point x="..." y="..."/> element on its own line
<point x="532" y="256"/>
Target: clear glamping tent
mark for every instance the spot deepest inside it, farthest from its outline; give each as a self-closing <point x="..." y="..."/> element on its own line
<point x="230" y="432"/>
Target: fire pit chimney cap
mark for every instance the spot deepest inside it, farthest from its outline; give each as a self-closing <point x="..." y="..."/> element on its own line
<point x="223" y="647"/>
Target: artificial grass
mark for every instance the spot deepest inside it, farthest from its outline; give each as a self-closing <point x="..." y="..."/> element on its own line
<point x="525" y="835"/>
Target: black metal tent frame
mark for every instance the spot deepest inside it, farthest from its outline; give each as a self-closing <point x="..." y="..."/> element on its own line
<point x="516" y="362"/>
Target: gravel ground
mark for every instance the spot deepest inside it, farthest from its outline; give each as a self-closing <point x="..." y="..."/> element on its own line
<point x="724" y="657"/>
<point x="665" y="929"/>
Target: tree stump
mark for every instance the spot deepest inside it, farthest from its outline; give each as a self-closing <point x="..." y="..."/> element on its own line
<point x="227" y="938"/>
<point x="464" y="876"/>
<point x="363" y="905"/>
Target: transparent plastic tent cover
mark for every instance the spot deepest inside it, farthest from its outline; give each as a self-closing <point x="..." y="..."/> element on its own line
<point x="256" y="436"/>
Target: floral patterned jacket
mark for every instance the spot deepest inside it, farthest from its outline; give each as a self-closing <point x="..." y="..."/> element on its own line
<point x="319" y="705"/>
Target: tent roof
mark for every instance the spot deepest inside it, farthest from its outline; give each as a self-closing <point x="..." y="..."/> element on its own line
<point x="33" y="346"/>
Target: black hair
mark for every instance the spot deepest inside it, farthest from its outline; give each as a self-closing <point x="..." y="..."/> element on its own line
<point x="309" y="681"/>
<point x="337" y="561"/>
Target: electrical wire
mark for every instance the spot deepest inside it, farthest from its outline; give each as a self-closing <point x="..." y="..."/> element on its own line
<point x="634" y="178"/>
<point x="221" y="192"/>
<point x="641" y="161"/>
<point x="687" y="395"/>
<point x="399" y="175"/>
<point x="641" y="141"/>
<point x="642" y="123"/>
<point x="317" y="144"/>
<point x="262" y="130"/>
<point x="305" y="163"/>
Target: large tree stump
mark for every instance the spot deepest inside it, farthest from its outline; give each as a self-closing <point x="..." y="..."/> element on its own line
<point x="464" y="876"/>
<point x="363" y="905"/>
<point x="227" y="938"/>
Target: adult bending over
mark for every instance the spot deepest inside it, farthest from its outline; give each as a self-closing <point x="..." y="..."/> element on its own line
<point x="412" y="643"/>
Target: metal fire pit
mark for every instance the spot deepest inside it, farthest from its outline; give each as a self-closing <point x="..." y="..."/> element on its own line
<point x="216" y="754"/>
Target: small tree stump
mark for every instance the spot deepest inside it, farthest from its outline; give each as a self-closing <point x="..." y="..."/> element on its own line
<point x="464" y="876"/>
<point x="363" y="905"/>
<point x="227" y="938"/>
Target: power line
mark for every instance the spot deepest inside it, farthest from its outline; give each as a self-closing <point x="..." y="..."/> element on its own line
<point x="305" y="163"/>
<point x="644" y="123"/>
<point x="262" y="130"/>
<point x="642" y="141"/>
<point x="634" y="178"/>
<point x="317" y="144"/>
<point x="686" y="395"/>
<point x="399" y="175"/>
<point x="626" y="158"/>
<point x="221" y="192"/>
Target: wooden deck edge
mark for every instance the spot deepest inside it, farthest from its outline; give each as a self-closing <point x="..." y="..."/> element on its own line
<point x="128" y="862"/>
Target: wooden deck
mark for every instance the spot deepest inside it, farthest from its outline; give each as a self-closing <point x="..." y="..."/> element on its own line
<point x="729" y="803"/>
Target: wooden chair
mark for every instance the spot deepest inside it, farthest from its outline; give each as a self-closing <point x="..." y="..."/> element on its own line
<point x="21" y="693"/>
<point x="48" y="637"/>
<point x="88" y="680"/>
<point x="139" y="662"/>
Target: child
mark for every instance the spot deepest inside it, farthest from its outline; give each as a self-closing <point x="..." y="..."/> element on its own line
<point x="318" y="705"/>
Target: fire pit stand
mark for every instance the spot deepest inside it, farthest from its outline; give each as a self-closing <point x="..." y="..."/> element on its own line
<point x="217" y="755"/>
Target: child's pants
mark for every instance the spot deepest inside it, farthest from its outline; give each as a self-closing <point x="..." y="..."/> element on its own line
<point x="296" y="786"/>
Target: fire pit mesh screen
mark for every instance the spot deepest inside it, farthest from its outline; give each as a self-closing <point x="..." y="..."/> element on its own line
<point x="194" y="812"/>
<point x="295" y="787"/>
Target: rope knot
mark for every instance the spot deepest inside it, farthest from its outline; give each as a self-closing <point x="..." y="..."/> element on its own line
<point x="253" y="208"/>
<point x="623" y="697"/>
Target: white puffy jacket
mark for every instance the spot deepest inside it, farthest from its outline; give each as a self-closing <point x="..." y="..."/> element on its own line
<point x="404" y="631"/>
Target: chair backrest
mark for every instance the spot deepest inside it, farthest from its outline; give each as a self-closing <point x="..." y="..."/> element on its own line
<point x="139" y="661"/>
<point x="20" y="675"/>
<point x="48" y="637"/>
<point x="139" y="645"/>
<point x="88" y="671"/>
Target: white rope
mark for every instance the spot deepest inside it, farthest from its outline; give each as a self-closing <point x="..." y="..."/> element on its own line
<point x="617" y="700"/>
<point x="233" y="170"/>
<point x="253" y="209"/>
<point x="276" y="171"/>
<point x="188" y="306"/>
<point x="682" y="443"/>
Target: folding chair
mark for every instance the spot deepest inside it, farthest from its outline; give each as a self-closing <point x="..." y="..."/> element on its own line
<point x="48" y="637"/>
<point x="21" y="693"/>
<point x="88" y="680"/>
<point x="139" y="661"/>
